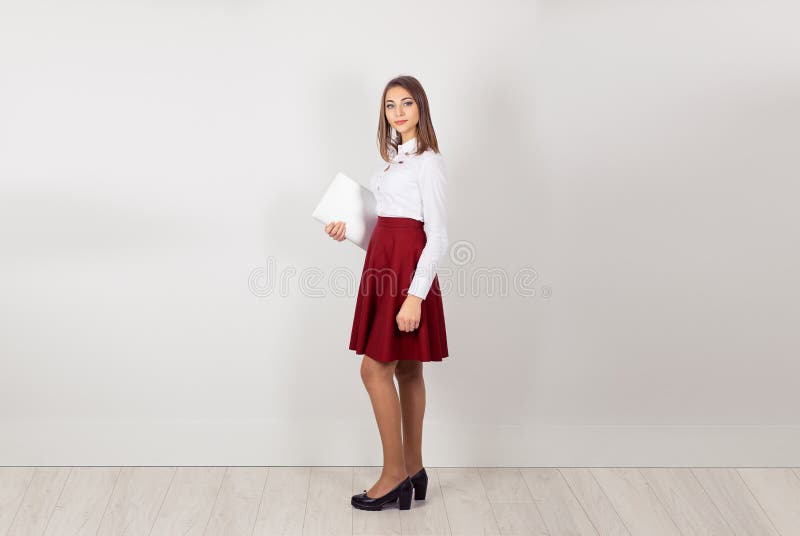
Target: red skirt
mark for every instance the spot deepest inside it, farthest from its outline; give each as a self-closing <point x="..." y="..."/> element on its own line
<point x="392" y="255"/>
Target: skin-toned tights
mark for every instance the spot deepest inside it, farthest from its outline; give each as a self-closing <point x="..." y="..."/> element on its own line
<point x="402" y="453"/>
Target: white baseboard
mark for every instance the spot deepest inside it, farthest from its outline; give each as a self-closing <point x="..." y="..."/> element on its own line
<point x="260" y="442"/>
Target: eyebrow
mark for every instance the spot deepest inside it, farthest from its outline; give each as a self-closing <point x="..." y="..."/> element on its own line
<point x="404" y="98"/>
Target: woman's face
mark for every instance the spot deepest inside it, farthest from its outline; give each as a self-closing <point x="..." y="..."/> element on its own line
<point x="401" y="111"/>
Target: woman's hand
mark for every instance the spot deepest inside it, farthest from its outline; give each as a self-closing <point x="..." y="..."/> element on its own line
<point x="336" y="230"/>
<point x="410" y="312"/>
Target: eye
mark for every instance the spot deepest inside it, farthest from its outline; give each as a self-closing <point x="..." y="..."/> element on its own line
<point x="389" y="105"/>
<point x="409" y="102"/>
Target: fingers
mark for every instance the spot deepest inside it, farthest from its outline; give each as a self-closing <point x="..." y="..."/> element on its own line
<point x="407" y="325"/>
<point x="336" y="230"/>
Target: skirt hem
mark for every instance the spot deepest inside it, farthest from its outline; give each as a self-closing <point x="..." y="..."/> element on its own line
<point x="387" y="359"/>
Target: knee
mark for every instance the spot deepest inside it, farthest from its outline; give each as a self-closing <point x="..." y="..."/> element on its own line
<point x="374" y="372"/>
<point x="408" y="371"/>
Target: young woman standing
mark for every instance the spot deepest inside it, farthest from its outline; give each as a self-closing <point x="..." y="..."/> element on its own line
<point x="399" y="318"/>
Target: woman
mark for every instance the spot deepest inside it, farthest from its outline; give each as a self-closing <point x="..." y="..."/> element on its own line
<point x="399" y="318"/>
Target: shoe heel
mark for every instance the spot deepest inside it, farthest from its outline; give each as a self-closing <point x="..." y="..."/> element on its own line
<point x="404" y="500"/>
<point x="420" y="482"/>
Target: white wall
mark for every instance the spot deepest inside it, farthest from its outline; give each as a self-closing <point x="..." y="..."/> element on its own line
<point x="641" y="159"/>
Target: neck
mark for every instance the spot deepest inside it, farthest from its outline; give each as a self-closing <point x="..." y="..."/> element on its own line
<point x="408" y="136"/>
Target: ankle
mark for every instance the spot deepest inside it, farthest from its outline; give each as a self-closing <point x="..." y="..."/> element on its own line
<point x="413" y="469"/>
<point x="393" y="475"/>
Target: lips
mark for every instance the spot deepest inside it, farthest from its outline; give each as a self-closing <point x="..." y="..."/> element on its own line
<point x="400" y="122"/>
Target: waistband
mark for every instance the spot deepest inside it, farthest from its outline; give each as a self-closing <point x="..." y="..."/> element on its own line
<point x="397" y="221"/>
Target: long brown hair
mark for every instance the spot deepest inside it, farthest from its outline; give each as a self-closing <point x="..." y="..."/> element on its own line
<point x="426" y="137"/>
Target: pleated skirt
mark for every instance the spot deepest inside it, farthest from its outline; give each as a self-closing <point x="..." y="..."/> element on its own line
<point x="392" y="255"/>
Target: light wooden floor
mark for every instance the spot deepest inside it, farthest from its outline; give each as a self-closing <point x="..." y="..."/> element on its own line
<point x="316" y="500"/>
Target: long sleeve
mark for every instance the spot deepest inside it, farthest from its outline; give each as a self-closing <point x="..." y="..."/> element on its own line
<point x="433" y="189"/>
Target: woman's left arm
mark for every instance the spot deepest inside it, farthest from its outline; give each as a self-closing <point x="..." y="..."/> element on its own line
<point x="433" y="187"/>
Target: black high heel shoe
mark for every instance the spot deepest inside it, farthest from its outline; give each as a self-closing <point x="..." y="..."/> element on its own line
<point x="420" y="482"/>
<point x="401" y="493"/>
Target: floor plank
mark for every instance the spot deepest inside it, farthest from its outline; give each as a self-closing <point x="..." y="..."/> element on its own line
<point x="13" y="483"/>
<point x="560" y="509"/>
<point x="235" y="511"/>
<point x="282" y="509"/>
<point x="594" y="501"/>
<point x="467" y="506"/>
<point x="512" y="502"/>
<point x="187" y="506"/>
<point x="328" y="510"/>
<point x="635" y="502"/>
<point x="778" y="493"/>
<point x="688" y="505"/>
<point x="83" y="501"/>
<point x="738" y="506"/>
<point x="39" y="501"/>
<point x="135" y="501"/>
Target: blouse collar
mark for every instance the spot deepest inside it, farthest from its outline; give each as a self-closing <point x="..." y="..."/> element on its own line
<point x="408" y="146"/>
<point x="406" y="149"/>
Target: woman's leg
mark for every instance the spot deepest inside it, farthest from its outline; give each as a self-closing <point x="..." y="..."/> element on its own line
<point x="412" y="401"/>
<point x="378" y="378"/>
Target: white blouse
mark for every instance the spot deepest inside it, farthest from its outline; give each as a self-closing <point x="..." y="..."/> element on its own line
<point x="414" y="186"/>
